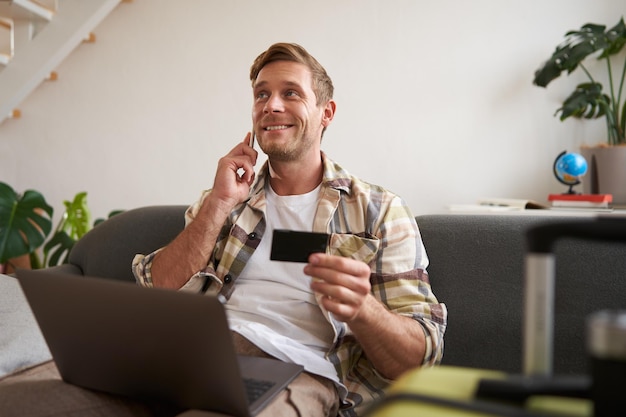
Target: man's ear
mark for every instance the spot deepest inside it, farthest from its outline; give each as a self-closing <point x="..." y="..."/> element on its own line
<point x="329" y="113"/>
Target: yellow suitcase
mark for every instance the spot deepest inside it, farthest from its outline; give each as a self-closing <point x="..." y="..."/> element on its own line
<point x="449" y="391"/>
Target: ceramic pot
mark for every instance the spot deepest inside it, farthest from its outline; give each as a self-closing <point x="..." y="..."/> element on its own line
<point x="606" y="172"/>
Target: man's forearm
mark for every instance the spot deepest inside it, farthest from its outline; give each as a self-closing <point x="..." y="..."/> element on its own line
<point x="190" y="251"/>
<point x="393" y="343"/>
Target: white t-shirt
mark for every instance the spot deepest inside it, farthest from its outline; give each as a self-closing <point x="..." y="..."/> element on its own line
<point x="273" y="305"/>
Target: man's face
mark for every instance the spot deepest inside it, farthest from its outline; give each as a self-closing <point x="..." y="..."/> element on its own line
<point x="287" y="120"/>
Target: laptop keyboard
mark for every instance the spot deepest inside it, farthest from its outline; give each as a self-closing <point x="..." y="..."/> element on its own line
<point x="256" y="387"/>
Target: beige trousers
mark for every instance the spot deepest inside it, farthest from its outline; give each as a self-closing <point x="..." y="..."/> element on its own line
<point x="40" y="392"/>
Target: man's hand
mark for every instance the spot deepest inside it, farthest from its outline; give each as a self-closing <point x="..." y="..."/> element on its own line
<point x="343" y="283"/>
<point x="235" y="174"/>
<point x="189" y="252"/>
<point x="393" y="343"/>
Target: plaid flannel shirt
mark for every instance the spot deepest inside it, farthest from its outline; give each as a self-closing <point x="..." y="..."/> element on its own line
<point x="366" y="222"/>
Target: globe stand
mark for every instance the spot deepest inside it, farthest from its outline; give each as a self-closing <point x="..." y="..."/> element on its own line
<point x="568" y="168"/>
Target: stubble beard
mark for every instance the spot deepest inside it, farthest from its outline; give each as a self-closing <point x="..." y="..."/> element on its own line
<point x="290" y="152"/>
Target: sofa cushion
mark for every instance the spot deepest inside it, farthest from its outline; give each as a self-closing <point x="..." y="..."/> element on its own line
<point x="21" y="343"/>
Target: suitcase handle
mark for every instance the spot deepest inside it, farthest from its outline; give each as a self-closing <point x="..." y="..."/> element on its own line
<point x="538" y="314"/>
<point x="540" y="239"/>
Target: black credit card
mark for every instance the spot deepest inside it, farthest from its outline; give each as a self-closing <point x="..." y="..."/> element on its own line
<point x="295" y="246"/>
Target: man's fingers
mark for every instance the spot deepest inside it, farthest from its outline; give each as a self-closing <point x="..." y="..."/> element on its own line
<point x="334" y="269"/>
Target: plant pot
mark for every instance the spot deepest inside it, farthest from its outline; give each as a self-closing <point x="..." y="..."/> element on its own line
<point x="606" y="172"/>
<point x="21" y="262"/>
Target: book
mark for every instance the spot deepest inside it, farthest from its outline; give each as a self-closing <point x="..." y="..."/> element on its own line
<point x="581" y="200"/>
<point x="511" y="203"/>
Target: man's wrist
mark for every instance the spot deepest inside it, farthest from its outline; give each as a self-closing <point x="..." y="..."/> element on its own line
<point x="371" y="311"/>
<point x="217" y="207"/>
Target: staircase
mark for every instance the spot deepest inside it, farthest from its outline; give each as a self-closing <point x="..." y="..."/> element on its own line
<point x="35" y="37"/>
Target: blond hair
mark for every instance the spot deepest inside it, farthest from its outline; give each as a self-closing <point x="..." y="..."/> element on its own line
<point x="322" y="84"/>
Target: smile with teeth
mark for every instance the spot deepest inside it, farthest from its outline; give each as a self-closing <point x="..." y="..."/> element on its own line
<point x="278" y="127"/>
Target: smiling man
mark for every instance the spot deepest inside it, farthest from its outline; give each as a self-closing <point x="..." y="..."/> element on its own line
<point x="356" y="316"/>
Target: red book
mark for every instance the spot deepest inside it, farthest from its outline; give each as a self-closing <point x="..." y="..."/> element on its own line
<point x="580" y="200"/>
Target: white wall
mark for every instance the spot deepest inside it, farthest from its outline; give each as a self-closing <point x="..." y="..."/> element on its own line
<point x="435" y="98"/>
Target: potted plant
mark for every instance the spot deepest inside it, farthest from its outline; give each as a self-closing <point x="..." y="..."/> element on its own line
<point x="26" y="222"/>
<point x="590" y="100"/>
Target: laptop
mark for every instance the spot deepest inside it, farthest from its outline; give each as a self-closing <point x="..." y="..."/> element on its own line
<point x="148" y="343"/>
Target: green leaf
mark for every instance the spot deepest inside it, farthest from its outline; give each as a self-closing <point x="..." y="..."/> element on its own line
<point x="111" y="214"/>
<point x="578" y="45"/>
<point x="616" y="39"/>
<point x="587" y="102"/>
<point x="25" y="222"/>
<point x="57" y="249"/>
<point x="73" y="225"/>
<point x="76" y="219"/>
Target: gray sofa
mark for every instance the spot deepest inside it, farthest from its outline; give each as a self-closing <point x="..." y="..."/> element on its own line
<point x="476" y="268"/>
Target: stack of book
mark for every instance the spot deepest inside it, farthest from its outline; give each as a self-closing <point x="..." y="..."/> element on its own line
<point x="581" y="200"/>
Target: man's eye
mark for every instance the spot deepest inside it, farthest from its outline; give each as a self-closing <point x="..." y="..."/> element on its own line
<point x="291" y="93"/>
<point x="261" y="95"/>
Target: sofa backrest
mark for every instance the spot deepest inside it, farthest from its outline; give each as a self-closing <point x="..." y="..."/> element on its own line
<point x="108" y="249"/>
<point x="477" y="270"/>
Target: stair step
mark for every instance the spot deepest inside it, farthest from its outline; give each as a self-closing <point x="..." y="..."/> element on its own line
<point x="7" y="36"/>
<point x="28" y="9"/>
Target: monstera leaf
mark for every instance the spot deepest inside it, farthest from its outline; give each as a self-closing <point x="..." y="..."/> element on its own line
<point x="587" y="101"/>
<point x="25" y="222"/>
<point x="578" y="45"/>
<point x="57" y="249"/>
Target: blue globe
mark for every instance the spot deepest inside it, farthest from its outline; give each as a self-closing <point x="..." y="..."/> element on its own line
<point x="570" y="167"/>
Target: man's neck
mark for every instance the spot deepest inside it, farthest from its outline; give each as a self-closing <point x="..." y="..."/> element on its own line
<point x="293" y="178"/>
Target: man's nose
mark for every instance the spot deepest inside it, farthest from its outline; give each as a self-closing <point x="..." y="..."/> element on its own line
<point x="274" y="104"/>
